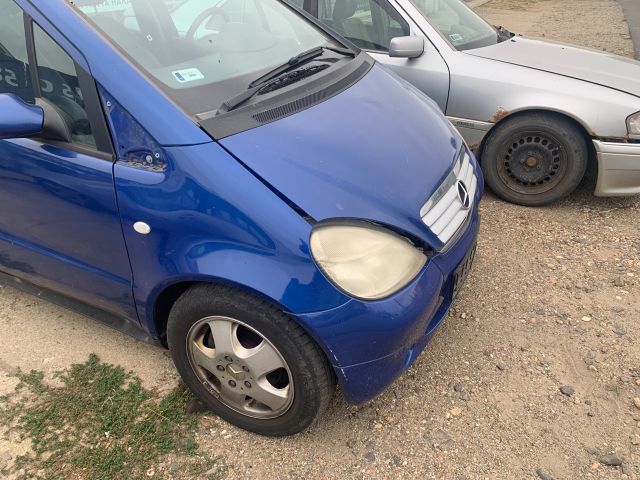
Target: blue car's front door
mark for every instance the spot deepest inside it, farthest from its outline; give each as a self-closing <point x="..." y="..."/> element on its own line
<point x="59" y="222"/>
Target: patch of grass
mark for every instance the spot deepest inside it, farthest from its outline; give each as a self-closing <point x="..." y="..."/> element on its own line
<point x="102" y="424"/>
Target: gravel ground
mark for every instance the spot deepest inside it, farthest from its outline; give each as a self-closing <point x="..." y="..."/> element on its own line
<point x="534" y="374"/>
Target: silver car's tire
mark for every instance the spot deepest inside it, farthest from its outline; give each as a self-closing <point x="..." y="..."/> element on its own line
<point x="247" y="361"/>
<point x="534" y="159"/>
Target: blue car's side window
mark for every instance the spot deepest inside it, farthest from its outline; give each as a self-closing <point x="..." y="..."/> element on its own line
<point x="14" y="64"/>
<point x="59" y="84"/>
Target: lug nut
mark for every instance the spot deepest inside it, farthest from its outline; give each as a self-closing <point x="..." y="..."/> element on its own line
<point x="247" y="384"/>
<point x="220" y="368"/>
<point x="228" y="358"/>
<point x="245" y="368"/>
<point x="232" y="383"/>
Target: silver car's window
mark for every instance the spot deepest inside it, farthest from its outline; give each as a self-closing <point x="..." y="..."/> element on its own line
<point x="209" y="48"/>
<point x="370" y="24"/>
<point x="460" y="25"/>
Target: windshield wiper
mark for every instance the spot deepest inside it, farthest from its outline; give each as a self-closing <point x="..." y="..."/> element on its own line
<point x="299" y="59"/>
<point x="274" y="75"/>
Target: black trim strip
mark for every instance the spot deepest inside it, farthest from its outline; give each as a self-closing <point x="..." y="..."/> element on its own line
<point x="96" y="115"/>
<point x="31" y="54"/>
<point x="127" y="326"/>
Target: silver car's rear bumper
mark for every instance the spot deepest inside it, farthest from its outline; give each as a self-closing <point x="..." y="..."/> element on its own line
<point x="618" y="169"/>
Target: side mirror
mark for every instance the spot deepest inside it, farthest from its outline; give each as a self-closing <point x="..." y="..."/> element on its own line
<point x="19" y="119"/>
<point x="406" y="47"/>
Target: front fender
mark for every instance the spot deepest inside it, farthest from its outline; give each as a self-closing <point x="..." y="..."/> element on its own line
<point x="489" y="91"/>
<point x="211" y="219"/>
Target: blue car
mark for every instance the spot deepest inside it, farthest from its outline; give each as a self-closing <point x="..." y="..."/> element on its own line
<point x="232" y="181"/>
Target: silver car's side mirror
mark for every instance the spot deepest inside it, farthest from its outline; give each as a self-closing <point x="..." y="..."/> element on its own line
<point x="406" y="47"/>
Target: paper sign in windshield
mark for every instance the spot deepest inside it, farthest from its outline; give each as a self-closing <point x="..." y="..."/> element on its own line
<point x="188" y="75"/>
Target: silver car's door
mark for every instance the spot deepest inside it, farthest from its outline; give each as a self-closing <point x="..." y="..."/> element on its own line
<point x="371" y="24"/>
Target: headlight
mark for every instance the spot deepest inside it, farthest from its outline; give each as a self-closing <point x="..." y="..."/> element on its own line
<point x="633" y="124"/>
<point x="365" y="261"/>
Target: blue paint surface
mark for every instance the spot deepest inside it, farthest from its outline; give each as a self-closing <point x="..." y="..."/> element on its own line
<point x="231" y="212"/>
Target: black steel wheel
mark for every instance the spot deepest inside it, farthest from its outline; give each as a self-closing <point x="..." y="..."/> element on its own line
<point x="535" y="159"/>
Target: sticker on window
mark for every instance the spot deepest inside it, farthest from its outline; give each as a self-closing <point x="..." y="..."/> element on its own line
<point x="188" y="75"/>
<point x="455" y="37"/>
<point x="106" y="6"/>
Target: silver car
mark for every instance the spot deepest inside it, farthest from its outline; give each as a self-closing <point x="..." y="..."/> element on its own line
<point x="537" y="113"/>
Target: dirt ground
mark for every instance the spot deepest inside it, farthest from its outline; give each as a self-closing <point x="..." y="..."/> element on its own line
<point x="552" y="302"/>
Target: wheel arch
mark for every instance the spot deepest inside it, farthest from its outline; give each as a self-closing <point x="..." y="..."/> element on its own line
<point x="169" y="294"/>
<point x="505" y="117"/>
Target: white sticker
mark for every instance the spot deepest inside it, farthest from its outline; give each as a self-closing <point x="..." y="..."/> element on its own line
<point x="188" y="75"/>
<point x="455" y="37"/>
<point x="113" y="6"/>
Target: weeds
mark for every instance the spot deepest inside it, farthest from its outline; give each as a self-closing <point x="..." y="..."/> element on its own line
<point x="102" y="424"/>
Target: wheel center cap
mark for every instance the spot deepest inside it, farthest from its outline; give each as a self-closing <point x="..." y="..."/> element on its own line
<point x="531" y="161"/>
<point x="235" y="371"/>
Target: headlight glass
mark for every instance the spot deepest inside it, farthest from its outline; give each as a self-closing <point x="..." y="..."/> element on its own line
<point x="365" y="261"/>
<point x="633" y="124"/>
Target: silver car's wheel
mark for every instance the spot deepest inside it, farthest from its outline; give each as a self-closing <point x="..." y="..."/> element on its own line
<point x="240" y="366"/>
<point x="534" y="158"/>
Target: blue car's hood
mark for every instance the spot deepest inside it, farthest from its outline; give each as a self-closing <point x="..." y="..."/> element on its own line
<point x="376" y="151"/>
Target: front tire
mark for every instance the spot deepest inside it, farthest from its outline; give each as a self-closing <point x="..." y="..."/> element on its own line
<point x="535" y="159"/>
<point x="247" y="361"/>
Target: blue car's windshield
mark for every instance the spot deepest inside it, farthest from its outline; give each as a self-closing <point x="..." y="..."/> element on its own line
<point x="460" y="25"/>
<point x="204" y="48"/>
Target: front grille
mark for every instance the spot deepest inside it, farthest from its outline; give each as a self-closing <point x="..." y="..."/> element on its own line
<point x="444" y="213"/>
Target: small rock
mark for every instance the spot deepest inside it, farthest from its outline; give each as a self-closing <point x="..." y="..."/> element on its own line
<point x="590" y="450"/>
<point x="590" y="358"/>
<point x="567" y="390"/>
<point x="586" y="318"/>
<point x="618" y="330"/>
<point x="532" y="320"/>
<point x="543" y="475"/>
<point x="455" y="411"/>
<point x="370" y="456"/>
<point x="635" y="440"/>
<point x="636" y="402"/>
<point x="638" y="381"/>
<point x="463" y="315"/>
<point x="588" y="402"/>
<point x="610" y="460"/>
<point x="442" y="439"/>
<point x="195" y="406"/>
<point x="501" y="366"/>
